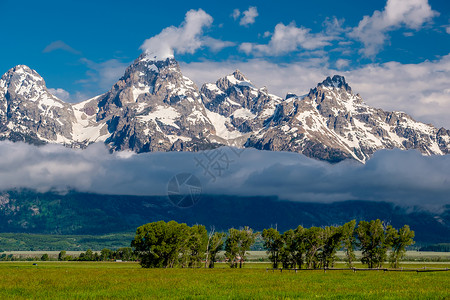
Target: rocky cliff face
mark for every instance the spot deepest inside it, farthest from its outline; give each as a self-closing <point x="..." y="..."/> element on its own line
<point x="153" y="107"/>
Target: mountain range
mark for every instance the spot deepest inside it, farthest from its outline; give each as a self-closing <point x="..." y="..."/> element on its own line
<point x="154" y="107"/>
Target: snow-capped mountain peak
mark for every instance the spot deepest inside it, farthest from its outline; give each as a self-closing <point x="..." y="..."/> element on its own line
<point x="337" y="81"/>
<point x="237" y="77"/>
<point x="23" y="81"/>
<point x="29" y="112"/>
<point x="159" y="54"/>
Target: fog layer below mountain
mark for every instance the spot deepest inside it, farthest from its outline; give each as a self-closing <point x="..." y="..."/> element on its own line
<point x="403" y="177"/>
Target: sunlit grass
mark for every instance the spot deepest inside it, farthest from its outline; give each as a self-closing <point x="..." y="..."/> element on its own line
<point x="69" y="280"/>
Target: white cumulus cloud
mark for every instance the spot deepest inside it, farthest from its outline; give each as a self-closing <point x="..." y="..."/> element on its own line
<point x="186" y="38"/>
<point x="372" y="30"/>
<point x="236" y="13"/>
<point x="249" y="16"/>
<point x="286" y="39"/>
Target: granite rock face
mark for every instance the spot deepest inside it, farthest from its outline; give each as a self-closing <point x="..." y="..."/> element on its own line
<point x="154" y="107"/>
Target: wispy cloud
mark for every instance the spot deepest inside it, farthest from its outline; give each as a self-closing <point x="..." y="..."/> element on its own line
<point x="103" y="75"/>
<point x="60" y="45"/>
<point x="342" y="63"/>
<point x="236" y="13"/>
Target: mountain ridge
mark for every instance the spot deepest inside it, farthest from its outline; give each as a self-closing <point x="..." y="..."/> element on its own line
<point x="154" y="107"/>
<point x="29" y="211"/>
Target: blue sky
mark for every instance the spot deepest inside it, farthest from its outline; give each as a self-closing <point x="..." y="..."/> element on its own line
<point x="394" y="53"/>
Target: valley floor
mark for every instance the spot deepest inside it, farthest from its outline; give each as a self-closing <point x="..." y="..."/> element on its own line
<point x="107" y="280"/>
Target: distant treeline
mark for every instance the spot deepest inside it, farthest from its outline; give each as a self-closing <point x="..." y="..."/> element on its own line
<point x="123" y="254"/>
<point x="171" y="244"/>
<point x="444" y="247"/>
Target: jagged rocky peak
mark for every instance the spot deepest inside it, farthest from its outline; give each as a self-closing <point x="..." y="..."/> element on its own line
<point x="143" y="72"/>
<point x="239" y="76"/>
<point x="337" y="81"/>
<point x="154" y="107"/>
<point x="153" y="64"/>
<point x="234" y="79"/>
<point x="290" y="95"/>
<point x="22" y="80"/>
<point x="235" y="92"/>
<point x="23" y="70"/>
<point x="29" y="112"/>
<point x="22" y="84"/>
<point x="149" y="81"/>
<point x="158" y="53"/>
<point x="334" y="96"/>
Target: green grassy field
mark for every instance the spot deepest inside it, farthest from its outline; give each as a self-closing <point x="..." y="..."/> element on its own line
<point x="75" y="280"/>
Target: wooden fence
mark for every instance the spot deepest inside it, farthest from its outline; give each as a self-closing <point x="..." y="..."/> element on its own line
<point x="420" y="270"/>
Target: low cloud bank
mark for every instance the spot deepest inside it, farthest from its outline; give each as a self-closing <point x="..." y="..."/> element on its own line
<point x="403" y="177"/>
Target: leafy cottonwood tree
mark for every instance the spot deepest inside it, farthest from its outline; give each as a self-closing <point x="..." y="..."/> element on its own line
<point x="232" y="246"/>
<point x="159" y="244"/>
<point x="314" y="239"/>
<point x="348" y="241"/>
<point x="399" y="241"/>
<point x="105" y="254"/>
<point x="215" y="244"/>
<point x="89" y="255"/>
<point x="293" y="248"/>
<point x="287" y="251"/>
<point x="273" y="244"/>
<point x="372" y="242"/>
<point x="332" y="237"/>
<point x="184" y="251"/>
<point x="62" y="255"/>
<point x="299" y="246"/>
<point x="237" y="244"/>
<point x="197" y="244"/>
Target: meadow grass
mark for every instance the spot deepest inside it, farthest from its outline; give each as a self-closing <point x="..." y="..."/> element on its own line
<point x="105" y="280"/>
